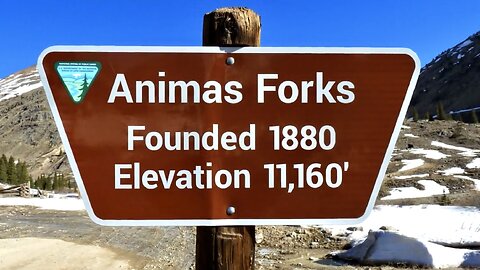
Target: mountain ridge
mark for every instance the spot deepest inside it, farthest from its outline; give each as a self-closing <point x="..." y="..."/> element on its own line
<point x="450" y="80"/>
<point x="28" y="129"/>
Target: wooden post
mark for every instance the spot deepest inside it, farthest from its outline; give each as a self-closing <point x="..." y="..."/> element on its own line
<point x="232" y="247"/>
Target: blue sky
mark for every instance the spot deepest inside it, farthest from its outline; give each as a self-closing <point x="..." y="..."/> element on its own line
<point x="426" y="26"/>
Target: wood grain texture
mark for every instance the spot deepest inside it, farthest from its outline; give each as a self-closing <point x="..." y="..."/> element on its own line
<point x="232" y="247"/>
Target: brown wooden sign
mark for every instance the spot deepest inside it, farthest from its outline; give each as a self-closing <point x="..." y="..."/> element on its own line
<point x="228" y="136"/>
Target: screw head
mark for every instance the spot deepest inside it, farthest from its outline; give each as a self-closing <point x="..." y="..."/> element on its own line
<point x="230" y="60"/>
<point x="230" y="210"/>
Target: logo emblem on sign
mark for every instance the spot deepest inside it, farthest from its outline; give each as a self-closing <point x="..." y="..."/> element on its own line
<point x="77" y="77"/>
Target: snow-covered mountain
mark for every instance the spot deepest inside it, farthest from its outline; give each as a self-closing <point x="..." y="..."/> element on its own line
<point x="451" y="79"/>
<point x="27" y="129"/>
<point x="19" y="83"/>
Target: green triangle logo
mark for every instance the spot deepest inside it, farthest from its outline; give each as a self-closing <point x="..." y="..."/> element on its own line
<point x="77" y="77"/>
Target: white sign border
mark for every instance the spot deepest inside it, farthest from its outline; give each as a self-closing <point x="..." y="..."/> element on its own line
<point x="224" y="50"/>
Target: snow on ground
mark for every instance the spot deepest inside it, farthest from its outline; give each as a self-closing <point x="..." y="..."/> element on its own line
<point x="59" y="202"/>
<point x="476" y="182"/>
<point x="431" y="188"/>
<point x="411" y="164"/>
<point x="410" y="135"/>
<point x="452" y="171"/>
<point x="403" y="177"/>
<point x="464" y="151"/>
<point x="453" y="225"/>
<point x="406" y="127"/>
<point x="2" y="185"/>
<point x="390" y="247"/>
<point x="431" y="154"/>
<point x="475" y="164"/>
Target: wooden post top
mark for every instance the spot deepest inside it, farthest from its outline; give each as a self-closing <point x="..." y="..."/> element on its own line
<point x="231" y="26"/>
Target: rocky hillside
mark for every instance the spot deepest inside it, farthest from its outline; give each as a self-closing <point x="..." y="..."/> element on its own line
<point x="451" y="79"/>
<point x="28" y="131"/>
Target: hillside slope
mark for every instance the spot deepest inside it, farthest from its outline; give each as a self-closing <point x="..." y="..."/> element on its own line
<point x="28" y="131"/>
<point x="452" y="79"/>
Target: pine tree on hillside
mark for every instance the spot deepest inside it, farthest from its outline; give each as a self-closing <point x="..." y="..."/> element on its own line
<point x="441" y="114"/>
<point x="415" y="115"/>
<point x="4" y="159"/>
<point x="459" y="117"/>
<point x="22" y="173"/>
<point x="427" y="116"/>
<point x="3" y="171"/>
<point x="36" y="183"/>
<point x="474" y="117"/>
<point x="41" y="182"/>
<point x="55" y="185"/>
<point x="63" y="184"/>
<point x="11" y="173"/>
<point x="48" y="183"/>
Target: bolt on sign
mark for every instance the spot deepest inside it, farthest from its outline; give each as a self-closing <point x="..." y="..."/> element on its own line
<point x="228" y="136"/>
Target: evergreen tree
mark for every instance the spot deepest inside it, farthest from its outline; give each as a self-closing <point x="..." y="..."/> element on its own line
<point x="415" y="115"/>
<point x="459" y="117"/>
<point x="22" y="173"/>
<point x="48" y="183"/>
<point x="41" y="182"/>
<point x="62" y="181"/>
<point x="474" y="117"/>
<point x="69" y="183"/>
<point x="36" y="183"/>
<point x="11" y="172"/>
<point x="3" y="171"/>
<point x="4" y="159"/>
<point x="427" y="116"/>
<point x="55" y="182"/>
<point x="441" y="114"/>
<point x="30" y="180"/>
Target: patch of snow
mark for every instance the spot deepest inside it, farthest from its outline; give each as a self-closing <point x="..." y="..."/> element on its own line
<point x="411" y="164"/>
<point x="389" y="247"/>
<point x="460" y="56"/>
<point x="19" y="83"/>
<point x="432" y="188"/>
<point x="61" y="204"/>
<point x="475" y="181"/>
<point x="452" y="171"/>
<point x="431" y="154"/>
<point x="410" y="135"/>
<point x="403" y="177"/>
<point x="467" y="110"/>
<point x="21" y="90"/>
<point x="3" y="186"/>
<point x="447" y="225"/>
<point x="475" y="164"/>
<point x="463" y="44"/>
<point x="465" y="151"/>
<point x="405" y="127"/>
